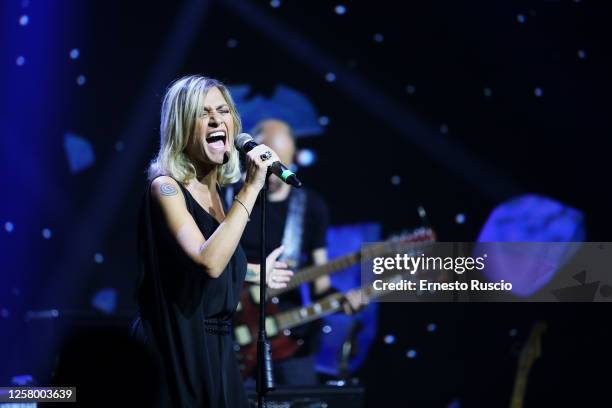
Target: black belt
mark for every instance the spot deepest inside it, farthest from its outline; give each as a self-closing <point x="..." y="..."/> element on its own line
<point x="216" y="326"/>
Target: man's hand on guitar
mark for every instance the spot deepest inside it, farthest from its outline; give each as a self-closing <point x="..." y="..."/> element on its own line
<point x="277" y="272"/>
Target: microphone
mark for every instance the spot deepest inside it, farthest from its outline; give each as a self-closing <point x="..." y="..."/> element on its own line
<point x="245" y="143"/>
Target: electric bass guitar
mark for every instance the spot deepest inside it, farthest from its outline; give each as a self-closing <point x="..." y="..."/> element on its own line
<point x="279" y="324"/>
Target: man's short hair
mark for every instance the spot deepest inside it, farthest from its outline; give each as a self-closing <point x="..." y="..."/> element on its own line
<point x="259" y="127"/>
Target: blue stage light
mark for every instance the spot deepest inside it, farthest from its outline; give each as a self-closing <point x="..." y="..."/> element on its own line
<point x="460" y="218"/>
<point x="98" y="258"/>
<point x="22" y="381"/>
<point x="46" y="233"/>
<point x="105" y="300"/>
<point x="389" y="339"/>
<point x="306" y="157"/>
<point x="532" y="218"/>
<point x="79" y="152"/>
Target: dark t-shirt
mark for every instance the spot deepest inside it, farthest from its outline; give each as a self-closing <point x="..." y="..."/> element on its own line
<point x="316" y="222"/>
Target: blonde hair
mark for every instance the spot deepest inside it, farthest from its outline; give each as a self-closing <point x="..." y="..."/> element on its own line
<point x="179" y="113"/>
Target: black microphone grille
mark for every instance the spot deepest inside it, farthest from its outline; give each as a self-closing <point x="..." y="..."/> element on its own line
<point x="242" y="139"/>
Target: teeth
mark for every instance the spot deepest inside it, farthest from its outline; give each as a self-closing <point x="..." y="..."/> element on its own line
<point x="215" y="134"/>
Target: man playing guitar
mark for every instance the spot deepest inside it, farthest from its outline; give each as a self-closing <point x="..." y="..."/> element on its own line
<point x="297" y="220"/>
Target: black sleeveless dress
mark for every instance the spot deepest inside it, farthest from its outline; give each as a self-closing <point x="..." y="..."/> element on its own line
<point x="185" y="316"/>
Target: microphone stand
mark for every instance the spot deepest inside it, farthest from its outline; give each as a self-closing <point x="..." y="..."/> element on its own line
<point x="265" y="375"/>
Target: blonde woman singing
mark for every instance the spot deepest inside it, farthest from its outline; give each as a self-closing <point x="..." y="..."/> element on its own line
<point x="192" y="266"/>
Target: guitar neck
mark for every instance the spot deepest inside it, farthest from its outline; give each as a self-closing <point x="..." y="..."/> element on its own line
<point x="302" y="315"/>
<point x="313" y="272"/>
<point x="326" y="306"/>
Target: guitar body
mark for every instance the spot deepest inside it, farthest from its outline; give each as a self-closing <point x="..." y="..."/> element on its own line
<point x="246" y="318"/>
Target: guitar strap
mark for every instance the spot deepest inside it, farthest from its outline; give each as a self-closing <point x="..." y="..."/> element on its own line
<point x="294" y="225"/>
<point x="293" y="232"/>
<point x="294" y="228"/>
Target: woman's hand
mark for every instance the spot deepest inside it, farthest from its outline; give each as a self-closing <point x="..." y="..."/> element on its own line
<point x="277" y="273"/>
<point x="257" y="162"/>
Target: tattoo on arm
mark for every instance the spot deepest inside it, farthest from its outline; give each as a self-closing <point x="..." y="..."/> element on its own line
<point x="168" y="189"/>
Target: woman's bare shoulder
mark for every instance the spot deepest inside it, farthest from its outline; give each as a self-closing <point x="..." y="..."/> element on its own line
<point x="165" y="186"/>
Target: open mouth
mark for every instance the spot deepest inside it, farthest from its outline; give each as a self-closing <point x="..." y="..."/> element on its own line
<point x="216" y="139"/>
